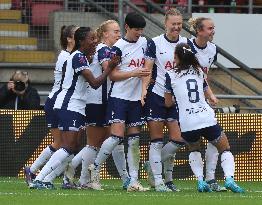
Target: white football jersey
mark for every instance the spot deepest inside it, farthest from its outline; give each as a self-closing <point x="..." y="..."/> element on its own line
<point x="62" y="57"/>
<point x="73" y="94"/>
<point x="161" y="50"/>
<point x="132" y="57"/>
<point x="206" y="55"/>
<point x="99" y="95"/>
<point x="188" y="88"/>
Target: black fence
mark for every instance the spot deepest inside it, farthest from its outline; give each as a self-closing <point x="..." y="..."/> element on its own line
<point x="24" y="134"/>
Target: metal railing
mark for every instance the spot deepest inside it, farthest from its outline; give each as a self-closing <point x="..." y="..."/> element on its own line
<point x="221" y="51"/>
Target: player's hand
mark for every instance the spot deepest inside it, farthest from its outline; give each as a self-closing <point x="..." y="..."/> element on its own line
<point x="11" y="86"/>
<point x="141" y="72"/>
<point x="115" y="60"/>
<point x="213" y="100"/>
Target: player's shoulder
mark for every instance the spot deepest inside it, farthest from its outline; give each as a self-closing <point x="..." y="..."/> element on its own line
<point x="102" y="48"/>
<point x="121" y="43"/>
<point x="79" y="58"/>
<point x="183" y="39"/>
<point x="63" y="55"/>
<point x="211" y="45"/>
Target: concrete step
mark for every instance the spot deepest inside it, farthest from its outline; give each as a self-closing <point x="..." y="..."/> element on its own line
<point x="5" y="4"/>
<point x="11" y="15"/>
<point x="12" y="43"/>
<point x="12" y="56"/>
<point x="235" y="86"/>
<point x="14" y="29"/>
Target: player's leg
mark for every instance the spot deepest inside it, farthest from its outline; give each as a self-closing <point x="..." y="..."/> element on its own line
<point x="195" y="159"/>
<point x="95" y="137"/>
<point x="52" y="122"/>
<point x="155" y="113"/>
<point x="211" y="158"/>
<point x="218" y="138"/>
<point x="170" y="149"/>
<point x="116" y="115"/>
<point x="134" y="122"/>
<point x="69" y="125"/>
<point x="69" y="173"/>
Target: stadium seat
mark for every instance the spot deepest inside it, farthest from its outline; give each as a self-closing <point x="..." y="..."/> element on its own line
<point x="40" y="12"/>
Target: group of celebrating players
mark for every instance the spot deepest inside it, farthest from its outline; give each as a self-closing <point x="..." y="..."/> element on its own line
<point x="112" y="86"/>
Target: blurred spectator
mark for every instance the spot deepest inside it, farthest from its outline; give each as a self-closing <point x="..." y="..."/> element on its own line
<point x="18" y="94"/>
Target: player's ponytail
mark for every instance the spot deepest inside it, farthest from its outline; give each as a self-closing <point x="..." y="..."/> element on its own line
<point x="66" y="32"/>
<point x="196" y="24"/>
<point x="79" y="36"/>
<point x="103" y="28"/>
<point x="186" y="58"/>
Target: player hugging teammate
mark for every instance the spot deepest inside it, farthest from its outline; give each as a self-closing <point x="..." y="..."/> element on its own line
<point x="165" y="78"/>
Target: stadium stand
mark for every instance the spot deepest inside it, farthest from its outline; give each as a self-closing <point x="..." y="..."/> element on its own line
<point x="16" y="43"/>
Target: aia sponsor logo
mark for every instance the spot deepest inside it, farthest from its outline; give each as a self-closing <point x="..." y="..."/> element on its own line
<point x="137" y="63"/>
<point x="170" y="65"/>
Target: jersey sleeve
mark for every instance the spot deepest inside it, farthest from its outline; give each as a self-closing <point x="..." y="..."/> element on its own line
<point x="116" y="51"/>
<point x="103" y="54"/>
<point x="150" y="50"/>
<point x="168" y="87"/>
<point x="79" y="63"/>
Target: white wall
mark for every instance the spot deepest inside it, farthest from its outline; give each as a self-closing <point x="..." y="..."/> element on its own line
<point x="240" y="35"/>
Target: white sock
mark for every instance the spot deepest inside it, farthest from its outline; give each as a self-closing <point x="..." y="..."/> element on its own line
<point x="133" y="157"/>
<point x="228" y="164"/>
<point x="42" y="159"/>
<point x="120" y="161"/>
<point x="56" y="160"/>
<point x="168" y="168"/>
<point x="88" y="157"/>
<point x="76" y="161"/>
<point x="211" y="161"/>
<point x="196" y="164"/>
<point x="58" y="171"/>
<point x="168" y="154"/>
<point x="106" y="149"/>
<point x="71" y="167"/>
<point x="155" y="160"/>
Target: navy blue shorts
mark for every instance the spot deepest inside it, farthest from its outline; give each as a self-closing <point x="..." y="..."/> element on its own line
<point x="212" y="134"/>
<point x="70" y="120"/>
<point x="50" y="114"/>
<point x="96" y="115"/>
<point x="155" y="109"/>
<point x="124" y="111"/>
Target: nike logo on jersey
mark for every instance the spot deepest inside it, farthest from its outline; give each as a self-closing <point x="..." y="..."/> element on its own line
<point x="162" y="53"/>
<point x="126" y="54"/>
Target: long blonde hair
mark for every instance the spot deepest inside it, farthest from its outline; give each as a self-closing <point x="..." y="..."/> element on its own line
<point x="103" y="28"/>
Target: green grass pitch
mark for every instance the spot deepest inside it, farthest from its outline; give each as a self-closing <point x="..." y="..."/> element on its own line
<point x="14" y="191"/>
